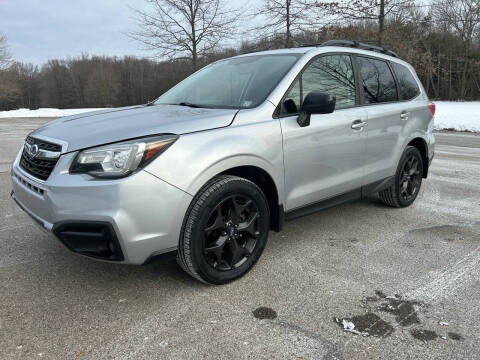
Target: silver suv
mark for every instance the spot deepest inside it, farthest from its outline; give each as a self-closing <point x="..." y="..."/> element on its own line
<point x="228" y="154"/>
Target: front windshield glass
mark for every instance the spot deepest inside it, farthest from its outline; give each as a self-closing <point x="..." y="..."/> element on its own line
<point x="236" y="83"/>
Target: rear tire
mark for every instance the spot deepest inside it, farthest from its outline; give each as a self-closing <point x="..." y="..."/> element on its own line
<point x="408" y="180"/>
<point x="225" y="230"/>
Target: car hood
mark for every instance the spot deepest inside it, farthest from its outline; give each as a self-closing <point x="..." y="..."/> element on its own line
<point x="107" y="126"/>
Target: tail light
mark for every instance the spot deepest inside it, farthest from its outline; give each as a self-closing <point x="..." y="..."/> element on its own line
<point x="431" y="106"/>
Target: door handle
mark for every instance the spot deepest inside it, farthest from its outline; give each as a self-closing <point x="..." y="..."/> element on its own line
<point x="358" y="124"/>
<point x="404" y="115"/>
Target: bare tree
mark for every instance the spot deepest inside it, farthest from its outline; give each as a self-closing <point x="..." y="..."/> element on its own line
<point x="184" y="28"/>
<point x="374" y="10"/>
<point x="462" y="18"/>
<point x="10" y="91"/>
<point x="5" y="57"/>
<point x="281" y="19"/>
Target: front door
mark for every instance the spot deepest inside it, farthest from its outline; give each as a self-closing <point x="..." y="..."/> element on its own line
<point x="325" y="158"/>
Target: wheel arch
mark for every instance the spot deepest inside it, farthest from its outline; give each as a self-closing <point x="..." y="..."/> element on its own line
<point x="422" y="147"/>
<point x="265" y="182"/>
<point x="263" y="172"/>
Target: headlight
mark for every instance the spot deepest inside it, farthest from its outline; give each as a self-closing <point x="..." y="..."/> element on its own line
<point x="120" y="159"/>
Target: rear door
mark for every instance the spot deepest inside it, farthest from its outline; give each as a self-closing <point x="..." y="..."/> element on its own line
<point x="325" y="158"/>
<point x="386" y="117"/>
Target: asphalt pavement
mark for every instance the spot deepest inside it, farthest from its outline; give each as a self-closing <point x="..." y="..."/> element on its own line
<point x="409" y="278"/>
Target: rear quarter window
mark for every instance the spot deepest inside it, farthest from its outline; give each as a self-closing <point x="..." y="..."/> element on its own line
<point x="406" y="82"/>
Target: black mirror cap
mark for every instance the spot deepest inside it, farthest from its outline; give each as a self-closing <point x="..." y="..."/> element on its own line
<point x="319" y="102"/>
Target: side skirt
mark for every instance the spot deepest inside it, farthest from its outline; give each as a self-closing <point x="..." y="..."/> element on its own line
<point x="377" y="186"/>
<point x="357" y="194"/>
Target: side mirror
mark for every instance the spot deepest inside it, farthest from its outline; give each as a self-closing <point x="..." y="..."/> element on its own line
<point x="316" y="102"/>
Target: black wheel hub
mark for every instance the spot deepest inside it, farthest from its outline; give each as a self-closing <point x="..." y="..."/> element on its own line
<point x="231" y="233"/>
<point x="410" y="178"/>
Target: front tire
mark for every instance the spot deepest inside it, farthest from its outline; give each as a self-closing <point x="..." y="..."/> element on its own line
<point x="408" y="180"/>
<point x="225" y="230"/>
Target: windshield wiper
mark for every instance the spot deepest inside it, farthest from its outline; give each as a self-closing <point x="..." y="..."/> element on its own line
<point x="151" y="102"/>
<point x="190" y="105"/>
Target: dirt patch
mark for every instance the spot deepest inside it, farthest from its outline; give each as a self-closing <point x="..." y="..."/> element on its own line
<point x="448" y="233"/>
<point x="424" y="335"/>
<point x="404" y="311"/>
<point x="369" y="323"/>
<point x="345" y="242"/>
<point x="455" y="130"/>
<point x="265" y="313"/>
<point x="455" y="336"/>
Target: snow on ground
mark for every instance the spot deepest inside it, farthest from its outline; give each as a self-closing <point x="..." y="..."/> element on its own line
<point x="460" y="116"/>
<point x="43" y="112"/>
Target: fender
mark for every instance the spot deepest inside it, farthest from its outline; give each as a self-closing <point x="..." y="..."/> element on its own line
<point x="225" y="164"/>
<point x="207" y="154"/>
<point x="417" y="128"/>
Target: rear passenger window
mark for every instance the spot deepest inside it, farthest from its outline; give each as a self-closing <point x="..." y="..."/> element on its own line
<point x="377" y="80"/>
<point x="406" y="82"/>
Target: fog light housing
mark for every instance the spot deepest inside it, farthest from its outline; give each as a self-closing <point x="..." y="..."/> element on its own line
<point x="93" y="239"/>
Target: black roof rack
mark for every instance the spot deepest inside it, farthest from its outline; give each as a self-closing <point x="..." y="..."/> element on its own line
<point x="358" y="45"/>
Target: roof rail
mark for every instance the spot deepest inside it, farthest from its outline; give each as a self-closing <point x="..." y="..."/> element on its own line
<point x="359" y="45"/>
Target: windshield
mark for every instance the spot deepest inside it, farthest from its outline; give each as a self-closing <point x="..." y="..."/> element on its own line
<point x="236" y="83"/>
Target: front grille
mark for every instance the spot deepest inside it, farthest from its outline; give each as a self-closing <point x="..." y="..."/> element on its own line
<point x="44" y="145"/>
<point x="40" y="168"/>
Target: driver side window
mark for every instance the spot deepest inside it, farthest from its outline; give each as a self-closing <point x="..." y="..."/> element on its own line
<point x="332" y="74"/>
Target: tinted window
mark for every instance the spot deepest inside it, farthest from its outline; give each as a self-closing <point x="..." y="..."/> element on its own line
<point x="378" y="83"/>
<point x="406" y="82"/>
<point x="332" y="74"/>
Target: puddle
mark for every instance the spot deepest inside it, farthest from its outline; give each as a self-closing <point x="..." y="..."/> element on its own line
<point x="424" y="335"/>
<point x="265" y="313"/>
<point x="406" y="314"/>
<point x="404" y="311"/>
<point x="455" y="336"/>
<point x="369" y="323"/>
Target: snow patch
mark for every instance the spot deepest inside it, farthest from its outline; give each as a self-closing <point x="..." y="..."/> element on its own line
<point x="349" y="326"/>
<point x="44" y="112"/>
<point x="459" y="116"/>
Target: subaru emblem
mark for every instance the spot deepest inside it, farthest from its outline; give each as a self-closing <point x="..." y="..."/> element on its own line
<point x="33" y="151"/>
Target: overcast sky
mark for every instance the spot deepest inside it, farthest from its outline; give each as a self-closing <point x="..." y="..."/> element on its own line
<point x="39" y="30"/>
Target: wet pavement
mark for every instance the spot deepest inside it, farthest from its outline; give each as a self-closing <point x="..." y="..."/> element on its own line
<point x="407" y="278"/>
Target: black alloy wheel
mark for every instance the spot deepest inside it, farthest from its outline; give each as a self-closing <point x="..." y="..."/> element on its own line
<point x="231" y="233"/>
<point x="407" y="182"/>
<point x="225" y="230"/>
<point x="410" y="178"/>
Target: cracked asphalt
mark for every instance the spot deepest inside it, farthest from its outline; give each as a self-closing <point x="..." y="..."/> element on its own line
<point x="409" y="278"/>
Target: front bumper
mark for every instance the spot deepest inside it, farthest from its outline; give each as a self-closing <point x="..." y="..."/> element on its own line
<point x="144" y="213"/>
